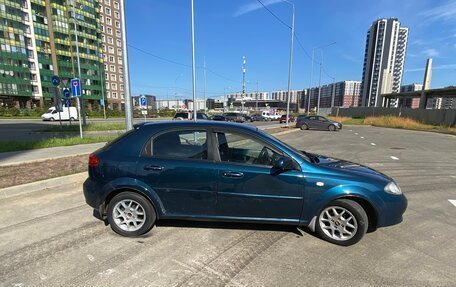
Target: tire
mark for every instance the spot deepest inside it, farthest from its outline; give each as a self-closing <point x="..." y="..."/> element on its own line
<point x="132" y="203"/>
<point x="72" y="119"/>
<point x="304" y="127"/>
<point x="331" y="128"/>
<point x="51" y="119"/>
<point x="342" y="215"/>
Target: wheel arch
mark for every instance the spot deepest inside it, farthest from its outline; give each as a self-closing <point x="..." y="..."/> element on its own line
<point x="370" y="210"/>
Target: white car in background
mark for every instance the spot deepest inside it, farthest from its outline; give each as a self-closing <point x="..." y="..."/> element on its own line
<point x="67" y="114"/>
<point x="271" y="115"/>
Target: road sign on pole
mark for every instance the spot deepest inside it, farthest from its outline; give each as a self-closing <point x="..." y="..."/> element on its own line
<point x="76" y="87"/>
<point x="143" y="102"/>
<point x="55" y="80"/>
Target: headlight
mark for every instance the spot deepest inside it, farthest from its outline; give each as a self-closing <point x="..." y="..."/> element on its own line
<point x="393" y="188"/>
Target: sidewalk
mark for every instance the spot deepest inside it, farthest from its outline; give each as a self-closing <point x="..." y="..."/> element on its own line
<point x="27" y="156"/>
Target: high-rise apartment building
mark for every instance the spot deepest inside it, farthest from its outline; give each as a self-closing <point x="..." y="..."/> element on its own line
<point x="346" y="94"/>
<point x="111" y="27"/>
<point x="38" y="42"/>
<point x="384" y="58"/>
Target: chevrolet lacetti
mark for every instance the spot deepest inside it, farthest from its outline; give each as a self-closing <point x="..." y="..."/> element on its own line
<point x="217" y="171"/>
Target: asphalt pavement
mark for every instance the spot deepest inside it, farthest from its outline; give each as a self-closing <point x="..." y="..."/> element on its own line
<point x="50" y="238"/>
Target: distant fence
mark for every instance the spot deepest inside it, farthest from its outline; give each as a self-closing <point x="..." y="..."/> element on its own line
<point x="427" y="116"/>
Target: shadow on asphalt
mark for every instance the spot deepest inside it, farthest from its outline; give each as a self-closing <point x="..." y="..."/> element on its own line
<point x="234" y="225"/>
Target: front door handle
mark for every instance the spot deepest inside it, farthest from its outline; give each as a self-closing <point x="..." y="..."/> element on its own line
<point x="153" y="167"/>
<point x="233" y="174"/>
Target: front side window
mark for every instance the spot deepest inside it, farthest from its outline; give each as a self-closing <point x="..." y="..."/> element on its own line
<point x="188" y="144"/>
<point x="239" y="148"/>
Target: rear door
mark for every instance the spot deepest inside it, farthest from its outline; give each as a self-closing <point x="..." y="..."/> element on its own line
<point x="181" y="171"/>
<point x="248" y="186"/>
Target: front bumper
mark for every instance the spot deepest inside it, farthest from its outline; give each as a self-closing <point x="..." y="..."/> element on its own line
<point x="393" y="210"/>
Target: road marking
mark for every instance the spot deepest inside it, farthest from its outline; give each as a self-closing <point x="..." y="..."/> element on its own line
<point x="350" y="130"/>
<point x="373" y="144"/>
<point x="90" y="257"/>
<point x="394" y="158"/>
<point x="452" y="201"/>
<point x="107" y="272"/>
<point x="362" y="137"/>
<point x="356" y="133"/>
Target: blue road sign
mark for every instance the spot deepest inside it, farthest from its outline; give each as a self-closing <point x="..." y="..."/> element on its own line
<point x="67" y="102"/>
<point x="66" y="93"/>
<point x="102" y="102"/>
<point x="55" y="80"/>
<point x="76" y="87"/>
<point x="143" y="102"/>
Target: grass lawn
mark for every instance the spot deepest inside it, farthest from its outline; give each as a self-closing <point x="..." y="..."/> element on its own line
<point x="395" y="122"/>
<point x="87" y="128"/>
<point x="52" y="142"/>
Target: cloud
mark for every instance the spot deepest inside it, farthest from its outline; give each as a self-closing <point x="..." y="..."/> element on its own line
<point x="431" y="53"/>
<point x="247" y="8"/>
<point x="446" y="12"/>
<point x="441" y="67"/>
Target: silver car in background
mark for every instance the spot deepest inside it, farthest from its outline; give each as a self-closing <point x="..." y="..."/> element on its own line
<point x="317" y="122"/>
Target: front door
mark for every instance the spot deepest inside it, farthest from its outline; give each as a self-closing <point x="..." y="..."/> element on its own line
<point x="249" y="188"/>
<point x="180" y="172"/>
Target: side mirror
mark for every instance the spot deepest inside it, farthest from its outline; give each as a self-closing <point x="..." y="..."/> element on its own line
<point x="284" y="163"/>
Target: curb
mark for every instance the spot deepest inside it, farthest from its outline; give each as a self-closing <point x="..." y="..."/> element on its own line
<point x="286" y="132"/>
<point x="42" y="160"/>
<point x="41" y="185"/>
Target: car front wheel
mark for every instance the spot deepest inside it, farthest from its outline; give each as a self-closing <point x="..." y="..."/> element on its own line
<point x="130" y="214"/>
<point x="343" y="222"/>
<point x="304" y="127"/>
<point x="331" y="128"/>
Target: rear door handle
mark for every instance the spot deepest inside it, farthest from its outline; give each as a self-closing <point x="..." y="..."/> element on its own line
<point x="233" y="174"/>
<point x="153" y="167"/>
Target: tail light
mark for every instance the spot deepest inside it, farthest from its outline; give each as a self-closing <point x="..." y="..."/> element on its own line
<point x="93" y="160"/>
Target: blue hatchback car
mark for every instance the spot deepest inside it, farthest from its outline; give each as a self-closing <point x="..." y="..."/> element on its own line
<point x="221" y="171"/>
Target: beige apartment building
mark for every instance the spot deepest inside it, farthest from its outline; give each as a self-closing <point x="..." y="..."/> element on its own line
<point x="112" y="33"/>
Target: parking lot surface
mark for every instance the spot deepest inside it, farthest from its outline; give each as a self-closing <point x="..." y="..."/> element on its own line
<point x="50" y="238"/>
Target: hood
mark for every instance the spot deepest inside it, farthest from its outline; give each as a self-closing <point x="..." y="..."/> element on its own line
<point x="346" y="166"/>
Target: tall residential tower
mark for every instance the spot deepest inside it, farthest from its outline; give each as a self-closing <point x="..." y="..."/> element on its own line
<point x="384" y="57"/>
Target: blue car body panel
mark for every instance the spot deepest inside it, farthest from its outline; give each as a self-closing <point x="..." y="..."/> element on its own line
<point x="199" y="189"/>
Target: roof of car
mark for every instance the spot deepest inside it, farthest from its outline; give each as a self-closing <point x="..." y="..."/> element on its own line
<point x="198" y="123"/>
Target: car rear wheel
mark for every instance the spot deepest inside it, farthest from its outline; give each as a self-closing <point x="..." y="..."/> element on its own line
<point x="343" y="222"/>
<point x="304" y="127"/>
<point x="71" y="119"/>
<point x="130" y="214"/>
<point x="331" y="128"/>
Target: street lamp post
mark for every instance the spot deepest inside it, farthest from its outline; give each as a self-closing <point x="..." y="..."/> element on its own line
<point x="321" y="69"/>
<point x="128" y="101"/>
<point x="78" y="102"/>
<point x="290" y="65"/>
<point x="193" y="60"/>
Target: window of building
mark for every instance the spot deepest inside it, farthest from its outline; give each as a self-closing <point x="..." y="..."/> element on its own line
<point x="119" y="60"/>
<point x="108" y="95"/>
<point x="181" y="145"/>
<point x="107" y="85"/>
<point x="107" y="2"/>
<point x="111" y="49"/>
<point x="110" y="40"/>
<point x="113" y="78"/>
<point x="102" y="18"/>
<point x="111" y="59"/>
<point x="121" y="86"/>
<point x="112" y="68"/>
<point x="108" y="21"/>
<point x="108" y="11"/>
<point x="109" y="30"/>
<point x="102" y="28"/>
<point x="116" y="5"/>
<point x="118" y="35"/>
<point x="117" y="15"/>
<point x="114" y="95"/>
<point x="122" y="95"/>
<point x="114" y="86"/>
<point x="118" y="43"/>
<point x="119" y="52"/>
<point x="117" y="24"/>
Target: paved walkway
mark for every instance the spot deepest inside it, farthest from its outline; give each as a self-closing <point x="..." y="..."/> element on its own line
<point x="18" y="157"/>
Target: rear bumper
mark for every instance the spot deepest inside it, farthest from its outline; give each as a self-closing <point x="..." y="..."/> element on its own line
<point x="92" y="193"/>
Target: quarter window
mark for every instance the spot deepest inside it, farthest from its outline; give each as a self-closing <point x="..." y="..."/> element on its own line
<point x="239" y="148"/>
<point x="181" y="145"/>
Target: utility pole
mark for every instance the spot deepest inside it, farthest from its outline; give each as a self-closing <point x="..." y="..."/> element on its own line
<point x="193" y="60"/>
<point x="78" y="101"/>
<point x="290" y="65"/>
<point x="319" y="83"/>
<point x="310" y="84"/>
<point x="204" y="96"/>
<point x="257" y="94"/>
<point x="243" y="81"/>
<point x="128" y="103"/>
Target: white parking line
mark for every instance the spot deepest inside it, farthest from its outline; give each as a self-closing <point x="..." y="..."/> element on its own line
<point x="362" y="137"/>
<point x="373" y="144"/>
<point x="350" y="130"/>
<point x="452" y="201"/>
<point x="394" y="158"/>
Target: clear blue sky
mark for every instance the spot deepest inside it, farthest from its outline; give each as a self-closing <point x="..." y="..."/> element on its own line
<point x="226" y="30"/>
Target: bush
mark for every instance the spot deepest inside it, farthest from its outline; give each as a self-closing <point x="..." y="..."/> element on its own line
<point x="2" y="111"/>
<point x="14" y="112"/>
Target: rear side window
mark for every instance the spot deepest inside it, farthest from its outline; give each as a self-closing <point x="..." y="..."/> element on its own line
<point x="190" y="144"/>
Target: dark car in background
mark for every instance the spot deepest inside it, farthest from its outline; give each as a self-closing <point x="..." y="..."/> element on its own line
<point x="234" y="117"/>
<point x="317" y="122"/>
<point x="283" y="119"/>
<point x="220" y="171"/>
<point x="257" y="118"/>
<point x="189" y="116"/>
<point x="218" y="118"/>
